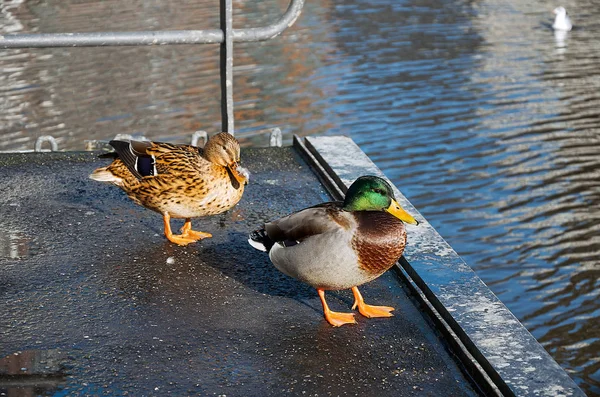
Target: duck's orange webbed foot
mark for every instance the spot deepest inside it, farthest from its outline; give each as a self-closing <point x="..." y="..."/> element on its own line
<point x="179" y="239"/>
<point x="187" y="232"/>
<point x="370" y="311"/>
<point x="335" y="318"/>
<point x="338" y="319"/>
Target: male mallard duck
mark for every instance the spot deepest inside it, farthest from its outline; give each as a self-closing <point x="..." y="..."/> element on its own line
<point x="340" y="245"/>
<point x="562" y="20"/>
<point x="179" y="181"/>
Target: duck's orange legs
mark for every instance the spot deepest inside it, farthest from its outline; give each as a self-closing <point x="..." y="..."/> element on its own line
<point x="186" y="231"/>
<point x="334" y="318"/>
<point x="368" y="310"/>
<point x="179" y="239"/>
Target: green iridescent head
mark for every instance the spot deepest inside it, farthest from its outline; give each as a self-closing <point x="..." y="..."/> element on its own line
<point x="372" y="193"/>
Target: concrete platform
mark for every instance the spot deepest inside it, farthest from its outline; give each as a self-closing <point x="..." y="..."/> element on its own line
<point x="95" y="301"/>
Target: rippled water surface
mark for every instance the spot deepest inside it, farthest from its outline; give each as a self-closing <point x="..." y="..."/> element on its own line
<point x="487" y="121"/>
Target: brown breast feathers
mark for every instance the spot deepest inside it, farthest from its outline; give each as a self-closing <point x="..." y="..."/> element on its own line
<point x="379" y="241"/>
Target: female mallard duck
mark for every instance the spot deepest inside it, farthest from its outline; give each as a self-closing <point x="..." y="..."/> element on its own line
<point x="179" y="181"/>
<point x="340" y="245"/>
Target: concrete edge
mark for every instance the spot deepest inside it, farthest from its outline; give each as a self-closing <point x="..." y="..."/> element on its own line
<point x="496" y="342"/>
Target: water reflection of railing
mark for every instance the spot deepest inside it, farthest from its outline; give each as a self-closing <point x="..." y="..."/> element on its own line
<point x="225" y="36"/>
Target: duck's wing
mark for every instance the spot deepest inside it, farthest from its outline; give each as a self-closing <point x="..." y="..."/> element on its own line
<point x="144" y="158"/>
<point x="176" y="159"/>
<point x="163" y="148"/>
<point x="135" y="157"/>
<point x="307" y="222"/>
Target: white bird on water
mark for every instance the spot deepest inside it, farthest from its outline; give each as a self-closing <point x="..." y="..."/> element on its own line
<point x="562" y="20"/>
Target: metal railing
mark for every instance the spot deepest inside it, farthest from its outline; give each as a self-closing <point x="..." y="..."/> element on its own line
<point x="225" y="36"/>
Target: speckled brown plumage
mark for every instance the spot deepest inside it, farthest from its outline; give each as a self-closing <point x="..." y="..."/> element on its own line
<point x="181" y="181"/>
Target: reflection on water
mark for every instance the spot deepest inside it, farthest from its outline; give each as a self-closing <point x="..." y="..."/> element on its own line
<point x="15" y="245"/>
<point x="32" y="373"/>
<point x="485" y="119"/>
<point x="561" y="37"/>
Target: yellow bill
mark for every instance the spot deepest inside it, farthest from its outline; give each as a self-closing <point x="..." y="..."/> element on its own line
<point x="399" y="213"/>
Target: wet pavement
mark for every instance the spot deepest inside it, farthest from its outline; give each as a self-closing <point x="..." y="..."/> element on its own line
<point x="95" y="301"/>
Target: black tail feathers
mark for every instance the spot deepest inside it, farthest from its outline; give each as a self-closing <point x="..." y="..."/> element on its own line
<point x="260" y="240"/>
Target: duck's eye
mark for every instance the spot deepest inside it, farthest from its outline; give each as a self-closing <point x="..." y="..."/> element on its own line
<point x="379" y="191"/>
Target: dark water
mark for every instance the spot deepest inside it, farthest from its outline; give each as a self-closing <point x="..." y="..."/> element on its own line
<point x="486" y="120"/>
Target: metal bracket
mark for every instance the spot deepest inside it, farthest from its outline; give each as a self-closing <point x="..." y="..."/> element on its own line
<point x="43" y="139"/>
<point x="275" y="138"/>
<point x="196" y="136"/>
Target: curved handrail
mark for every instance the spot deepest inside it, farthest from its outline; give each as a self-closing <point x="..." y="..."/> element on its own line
<point x="268" y="32"/>
<point x="103" y="39"/>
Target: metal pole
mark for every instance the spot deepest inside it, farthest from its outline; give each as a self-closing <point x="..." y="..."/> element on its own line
<point x="227" y="66"/>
